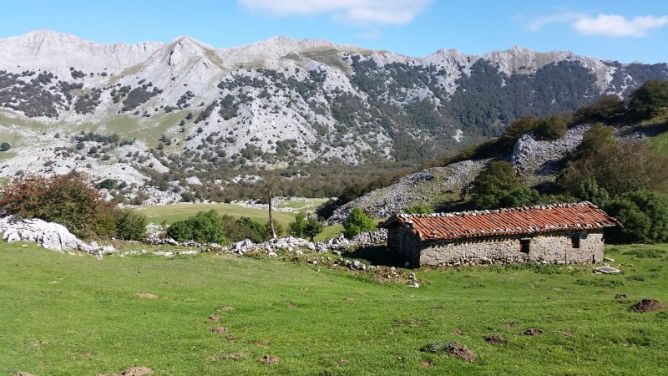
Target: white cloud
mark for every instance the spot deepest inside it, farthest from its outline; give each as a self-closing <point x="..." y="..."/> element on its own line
<point x="561" y="17"/>
<point x="362" y="12"/>
<point x="612" y="25"/>
<point x="607" y="25"/>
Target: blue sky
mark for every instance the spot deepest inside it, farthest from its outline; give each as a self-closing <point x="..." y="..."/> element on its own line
<point x="611" y="29"/>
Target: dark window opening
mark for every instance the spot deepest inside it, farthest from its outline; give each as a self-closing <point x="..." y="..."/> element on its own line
<point x="524" y="245"/>
<point x="575" y="241"/>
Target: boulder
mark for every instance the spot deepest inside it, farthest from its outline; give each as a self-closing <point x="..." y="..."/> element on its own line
<point x="49" y="235"/>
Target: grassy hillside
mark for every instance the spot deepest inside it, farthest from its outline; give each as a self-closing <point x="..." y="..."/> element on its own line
<point x="660" y="143"/>
<point x="78" y="315"/>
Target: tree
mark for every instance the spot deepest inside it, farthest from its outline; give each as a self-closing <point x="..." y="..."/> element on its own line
<point x="644" y="215"/>
<point x="550" y="128"/>
<point x="313" y="227"/>
<point x="356" y="223"/>
<point x="650" y="99"/>
<point x="498" y="186"/>
<point x="269" y="192"/>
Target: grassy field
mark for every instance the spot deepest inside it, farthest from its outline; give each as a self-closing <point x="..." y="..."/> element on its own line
<point x="175" y="212"/>
<point x="69" y="315"/>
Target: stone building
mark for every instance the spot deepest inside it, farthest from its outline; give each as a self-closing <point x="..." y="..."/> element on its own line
<point x="556" y="234"/>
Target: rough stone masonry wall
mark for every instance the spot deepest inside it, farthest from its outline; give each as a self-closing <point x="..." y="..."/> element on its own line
<point x="553" y="249"/>
<point x="403" y="242"/>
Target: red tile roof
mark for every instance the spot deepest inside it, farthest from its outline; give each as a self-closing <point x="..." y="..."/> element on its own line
<point x="580" y="216"/>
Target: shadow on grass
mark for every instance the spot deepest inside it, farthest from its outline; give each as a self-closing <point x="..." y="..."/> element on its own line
<point x="377" y="255"/>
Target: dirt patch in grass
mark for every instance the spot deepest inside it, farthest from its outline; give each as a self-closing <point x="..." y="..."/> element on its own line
<point x="239" y="355"/>
<point x="509" y="325"/>
<point x="426" y="364"/>
<point x="452" y="349"/>
<point x="341" y="362"/>
<point x="533" y="332"/>
<point x="494" y="339"/>
<point x="646" y="305"/>
<point x="219" y="330"/>
<point x="34" y="343"/>
<point x="263" y="343"/>
<point x="621" y="297"/>
<point x="137" y="371"/>
<point x="269" y="359"/>
<point x="23" y="374"/>
<point x="409" y="322"/>
<point x="462" y="352"/>
<point x="146" y="295"/>
<point x="214" y="317"/>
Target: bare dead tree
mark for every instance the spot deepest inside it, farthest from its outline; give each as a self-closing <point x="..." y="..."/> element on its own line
<point x="269" y="196"/>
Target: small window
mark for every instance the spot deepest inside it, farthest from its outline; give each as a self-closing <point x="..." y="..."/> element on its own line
<point x="524" y="245"/>
<point x="575" y="241"/>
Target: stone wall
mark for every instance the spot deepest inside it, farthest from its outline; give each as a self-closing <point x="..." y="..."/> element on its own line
<point x="553" y="249"/>
<point x="403" y="242"/>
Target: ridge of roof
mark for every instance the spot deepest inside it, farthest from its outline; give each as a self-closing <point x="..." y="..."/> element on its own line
<point x="502" y="210"/>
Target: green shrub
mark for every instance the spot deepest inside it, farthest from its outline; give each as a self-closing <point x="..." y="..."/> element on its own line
<point x="601" y="109"/>
<point x="65" y="199"/>
<point x="519" y="127"/>
<point x="550" y="128"/>
<point x="418" y="209"/>
<point x="237" y="229"/>
<point x="590" y="191"/>
<point x="650" y="99"/>
<point x="644" y="215"/>
<point x="130" y="225"/>
<point x="108" y="184"/>
<point x="204" y="227"/>
<point x="5" y="146"/>
<point x="498" y="186"/>
<point x="296" y="228"/>
<point x="357" y="222"/>
<point x="616" y="167"/>
<point x="313" y="227"/>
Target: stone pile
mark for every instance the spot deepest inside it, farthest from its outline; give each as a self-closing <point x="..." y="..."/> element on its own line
<point x="414" y="189"/>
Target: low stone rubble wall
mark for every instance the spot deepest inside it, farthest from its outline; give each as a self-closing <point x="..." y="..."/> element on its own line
<point x="292" y="244"/>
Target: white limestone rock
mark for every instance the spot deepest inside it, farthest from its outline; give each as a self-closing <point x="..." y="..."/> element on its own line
<point x="49" y="235"/>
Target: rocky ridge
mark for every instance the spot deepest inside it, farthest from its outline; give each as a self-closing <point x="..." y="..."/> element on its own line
<point x="189" y="106"/>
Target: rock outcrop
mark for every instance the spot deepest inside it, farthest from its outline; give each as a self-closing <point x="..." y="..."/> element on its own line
<point x="49" y="235"/>
<point x="541" y="158"/>
<point x="420" y="188"/>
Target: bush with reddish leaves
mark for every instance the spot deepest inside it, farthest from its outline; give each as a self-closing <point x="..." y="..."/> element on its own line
<point x="66" y="199"/>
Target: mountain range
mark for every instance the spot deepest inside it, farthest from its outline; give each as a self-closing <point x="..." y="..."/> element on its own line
<point x="131" y="111"/>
